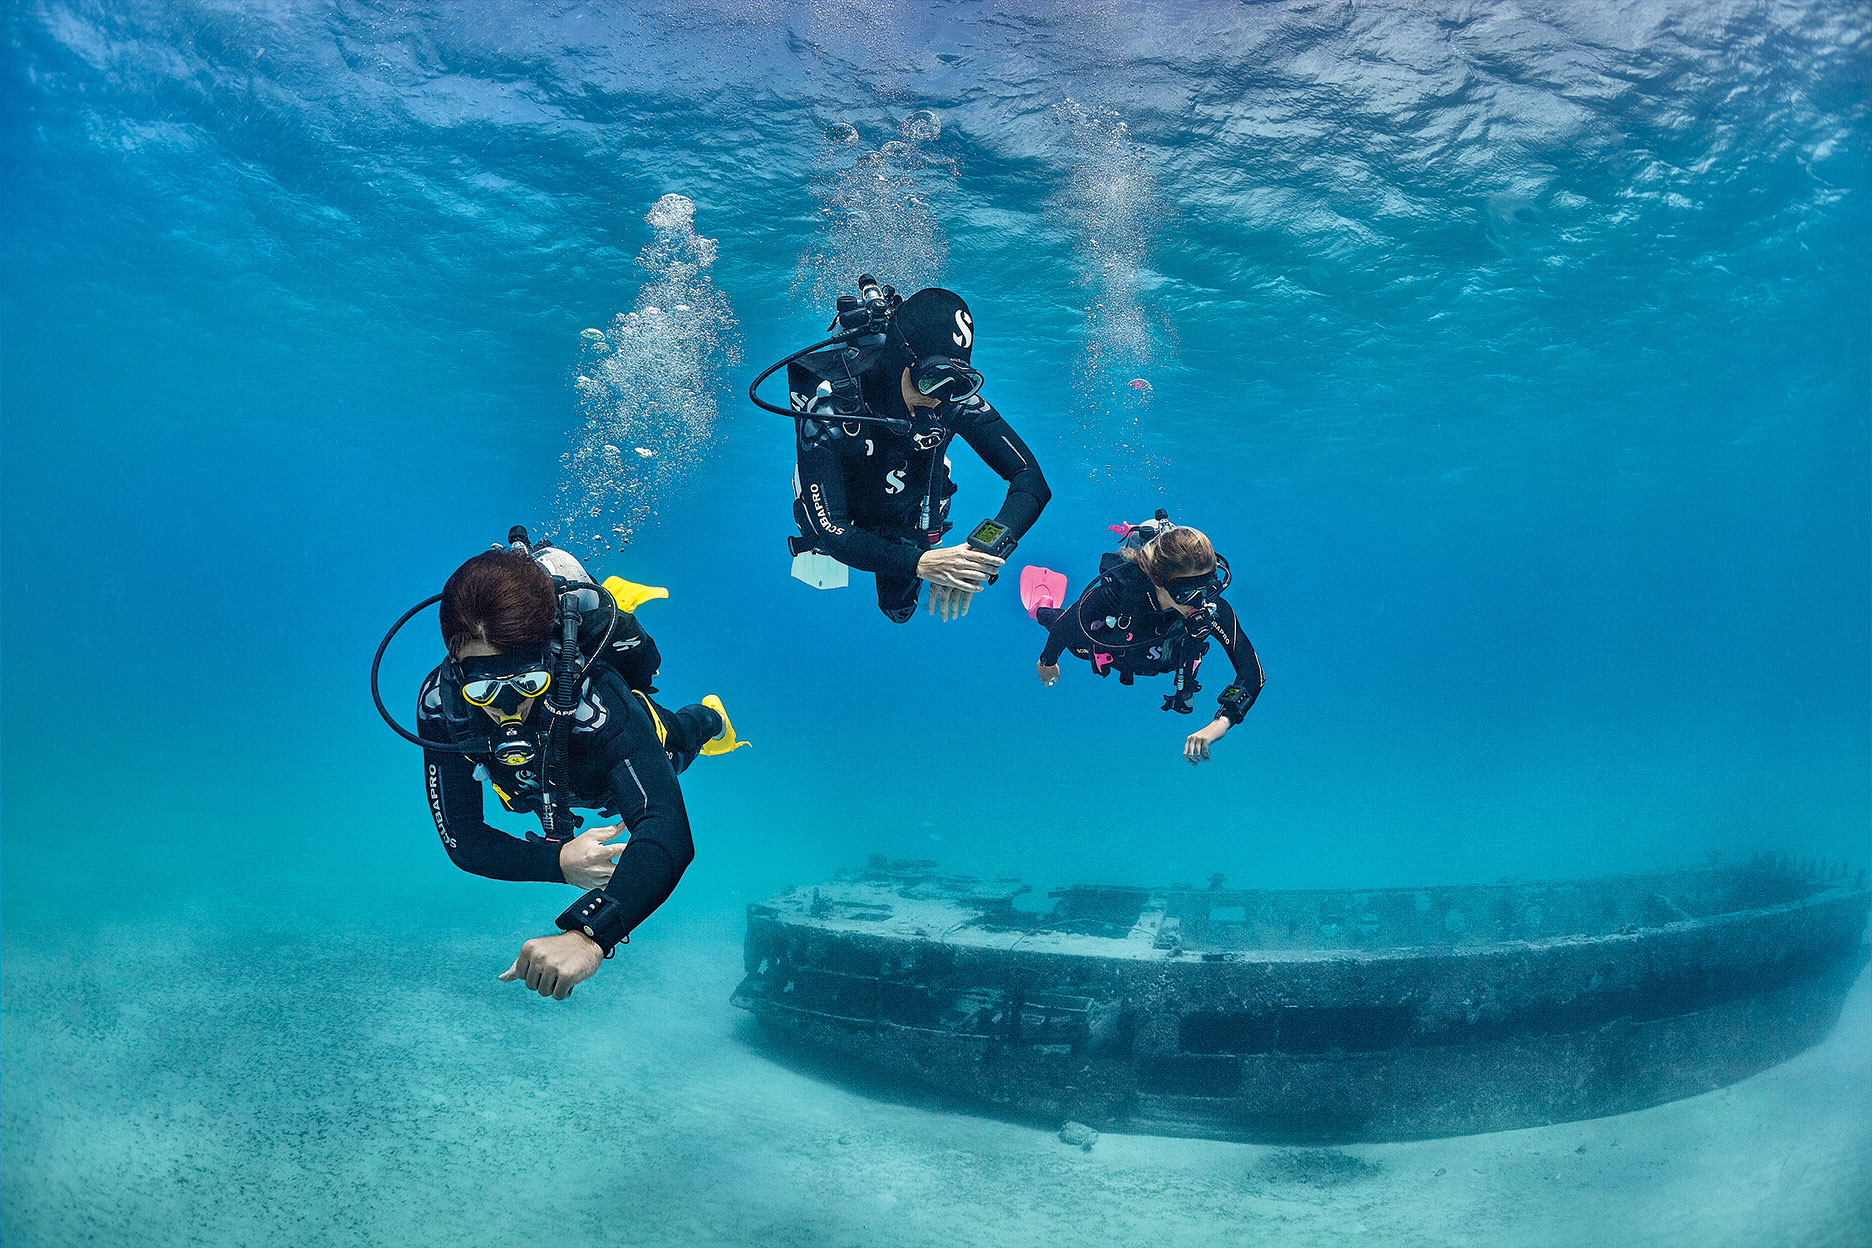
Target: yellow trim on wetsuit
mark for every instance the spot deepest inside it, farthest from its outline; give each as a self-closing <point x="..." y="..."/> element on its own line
<point x="662" y="732"/>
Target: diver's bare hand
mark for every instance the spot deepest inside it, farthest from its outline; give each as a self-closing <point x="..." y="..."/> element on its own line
<point x="1196" y="745"/>
<point x="953" y="602"/>
<point x="554" y="965"/>
<point x="1048" y="675"/>
<point x="587" y="861"/>
<point x="958" y="567"/>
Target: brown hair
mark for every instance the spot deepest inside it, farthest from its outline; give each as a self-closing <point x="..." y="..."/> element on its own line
<point x="1181" y="551"/>
<point x="500" y="597"/>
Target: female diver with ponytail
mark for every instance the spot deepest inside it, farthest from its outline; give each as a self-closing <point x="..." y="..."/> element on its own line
<point x="1153" y="609"/>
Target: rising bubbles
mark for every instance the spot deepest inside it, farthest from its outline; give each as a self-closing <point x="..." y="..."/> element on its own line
<point x="875" y="210"/>
<point x="648" y="382"/>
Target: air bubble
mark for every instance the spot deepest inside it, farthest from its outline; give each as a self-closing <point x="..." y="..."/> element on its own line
<point x="672" y="212"/>
<point x="921" y="126"/>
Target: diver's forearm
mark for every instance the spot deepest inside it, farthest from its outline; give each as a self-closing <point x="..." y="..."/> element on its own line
<point x="647" y="873"/>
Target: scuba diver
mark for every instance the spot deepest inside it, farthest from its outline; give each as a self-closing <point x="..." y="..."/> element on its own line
<point x="876" y="406"/>
<point x="1153" y="608"/>
<point x="545" y="694"/>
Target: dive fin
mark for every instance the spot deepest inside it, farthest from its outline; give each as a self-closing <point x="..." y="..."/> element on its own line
<point x="723" y="742"/>
<point x="820" y="571"/>
<point x="629" y="595"/>
<point x="1041" y="587"/>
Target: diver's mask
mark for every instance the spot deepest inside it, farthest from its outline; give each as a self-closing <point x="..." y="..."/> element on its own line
<point x="504" y="683"/>
<point x="941" y="377"/>
<point x="1200" y="590"/>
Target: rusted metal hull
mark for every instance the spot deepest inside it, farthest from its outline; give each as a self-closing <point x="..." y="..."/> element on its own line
<point x="1387" y="1014"/>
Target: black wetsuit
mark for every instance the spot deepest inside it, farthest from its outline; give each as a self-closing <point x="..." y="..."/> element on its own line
<point x="876" y="499"/>
<point x="1118" y="615"/>
<point x="619" y="763"/>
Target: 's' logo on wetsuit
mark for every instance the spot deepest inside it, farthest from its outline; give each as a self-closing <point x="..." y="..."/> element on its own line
<point x="965" y="330"/>
<point x="894" y="481"/>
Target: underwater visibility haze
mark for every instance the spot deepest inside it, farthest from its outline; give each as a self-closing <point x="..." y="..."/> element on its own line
<point x="1517" y="356"/>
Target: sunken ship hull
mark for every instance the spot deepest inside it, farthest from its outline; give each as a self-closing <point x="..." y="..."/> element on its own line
<point x="1311" y="1016"/>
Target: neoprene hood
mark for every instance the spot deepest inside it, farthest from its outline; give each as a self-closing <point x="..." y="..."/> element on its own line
<point x="936" y="322"/>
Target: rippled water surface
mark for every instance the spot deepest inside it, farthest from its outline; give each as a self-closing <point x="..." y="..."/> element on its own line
<point x="1517" y="355"/>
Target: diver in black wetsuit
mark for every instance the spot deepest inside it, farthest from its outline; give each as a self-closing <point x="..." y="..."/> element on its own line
<point x="484" y="714"/>
<point x="1154" y="607"/>
<point x="872" y="486"/>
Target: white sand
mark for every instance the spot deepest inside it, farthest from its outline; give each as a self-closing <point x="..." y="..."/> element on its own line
<point x="169" y="1086"/>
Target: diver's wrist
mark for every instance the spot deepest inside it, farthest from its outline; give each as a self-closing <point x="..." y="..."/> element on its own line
<point x="599" y="917"/>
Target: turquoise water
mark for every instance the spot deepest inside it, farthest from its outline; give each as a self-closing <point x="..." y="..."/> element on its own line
<point x="1516" y="355"/>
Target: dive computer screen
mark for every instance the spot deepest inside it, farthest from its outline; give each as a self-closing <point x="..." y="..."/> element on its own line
<point x="987" y="533"/>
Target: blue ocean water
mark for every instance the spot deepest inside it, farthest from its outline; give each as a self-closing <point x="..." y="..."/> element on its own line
<point x="1517" y="355"/>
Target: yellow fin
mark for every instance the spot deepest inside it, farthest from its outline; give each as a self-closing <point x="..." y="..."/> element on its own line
<point x="629" y="595"/>
<point x="725" y="743"/>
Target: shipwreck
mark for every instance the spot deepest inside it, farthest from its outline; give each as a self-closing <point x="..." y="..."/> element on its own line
<point x="1311" y="1015"/>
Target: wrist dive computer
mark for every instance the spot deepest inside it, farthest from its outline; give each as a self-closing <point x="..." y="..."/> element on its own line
<point x="600" y="916"/>
<point x="991" y="537"/>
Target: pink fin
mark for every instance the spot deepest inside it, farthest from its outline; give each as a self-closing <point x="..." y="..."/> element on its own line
<point x="1041" y="587"/>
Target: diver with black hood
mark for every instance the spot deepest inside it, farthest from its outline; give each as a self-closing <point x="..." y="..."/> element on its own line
<point x="877" y="405"/>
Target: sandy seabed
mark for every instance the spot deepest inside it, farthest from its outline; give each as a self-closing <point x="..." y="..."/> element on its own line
<point x="202" y="1083"/>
